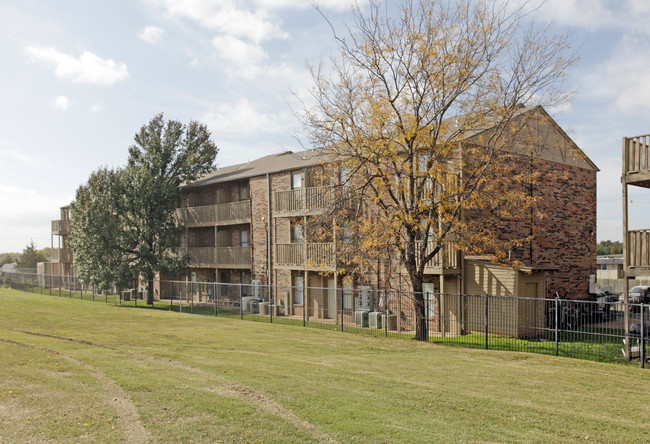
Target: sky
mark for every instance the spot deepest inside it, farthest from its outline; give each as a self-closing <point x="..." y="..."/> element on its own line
<point x="78" y="78"/>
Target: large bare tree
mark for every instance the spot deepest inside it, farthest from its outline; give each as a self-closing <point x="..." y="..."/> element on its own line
<point x="419" y="108"/>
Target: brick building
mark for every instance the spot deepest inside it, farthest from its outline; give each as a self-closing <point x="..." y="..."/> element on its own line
<point x="249" y="223"/>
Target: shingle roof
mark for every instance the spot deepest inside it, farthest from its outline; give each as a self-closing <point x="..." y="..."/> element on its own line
<point x="268" y="164"/>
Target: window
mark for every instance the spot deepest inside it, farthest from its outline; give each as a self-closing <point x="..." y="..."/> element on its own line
<point x="243" y="192"/>
<point x="243" y="238"/>
<point x="344" y="176"/>
<point x="296" y="233"/>
<point x="296" y="180"/>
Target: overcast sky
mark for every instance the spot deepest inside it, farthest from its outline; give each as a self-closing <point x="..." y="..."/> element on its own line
<point x="79" y="78"/>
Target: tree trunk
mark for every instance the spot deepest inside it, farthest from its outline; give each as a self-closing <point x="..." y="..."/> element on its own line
<point x="421" y="330"/>
<point x="149" y="291"/>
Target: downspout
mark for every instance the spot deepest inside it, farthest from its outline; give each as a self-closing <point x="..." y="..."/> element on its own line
<point x="269" y="232"/>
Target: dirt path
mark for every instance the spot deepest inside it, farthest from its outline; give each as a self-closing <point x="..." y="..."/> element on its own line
<point x="126" y="414"/>
<point x="223" y="387"/>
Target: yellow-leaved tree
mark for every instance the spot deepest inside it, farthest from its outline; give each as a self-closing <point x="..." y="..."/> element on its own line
<point x="423" y="115"/>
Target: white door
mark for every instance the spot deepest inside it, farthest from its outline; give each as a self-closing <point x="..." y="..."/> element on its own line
<point x="331" y="299"/>
<point x="429" y="298"/>
<point x="298" y="290"/>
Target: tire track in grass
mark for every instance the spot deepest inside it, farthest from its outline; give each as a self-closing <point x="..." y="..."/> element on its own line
<point x="125" y="412"/>
<point x="226" y="387"/>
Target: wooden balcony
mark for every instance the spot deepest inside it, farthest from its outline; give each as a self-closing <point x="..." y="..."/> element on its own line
<point x="446" y="260"/>
<point x="311" y="256"/>
<point x="234" y="257"/>
<point x="63" y="255"/>
<point x="210" y="215"/>
<point x="302" y="200"/>
<point x="61" y="227"/>
<point x="636" y="160"/>
<point x="202" y="256"/>
<point x="638" y="251"/>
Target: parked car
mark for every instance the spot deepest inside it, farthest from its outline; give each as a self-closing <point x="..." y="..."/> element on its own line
<point x="637" y="295"/>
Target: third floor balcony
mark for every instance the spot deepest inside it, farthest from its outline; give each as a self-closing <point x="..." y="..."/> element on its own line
<point x="61" y="227"/>
<point x="302" y="200"/>
<point x="636" y="160"/>
<point x="220" y="214"/>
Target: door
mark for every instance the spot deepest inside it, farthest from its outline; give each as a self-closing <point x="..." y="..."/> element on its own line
<point x="298" y="290"/>
<point x="331" y="299"/>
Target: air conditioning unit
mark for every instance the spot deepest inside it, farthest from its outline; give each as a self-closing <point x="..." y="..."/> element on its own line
<point x="245" y="304"/>
<point x="374" y="319"/>
<point x="361" y="318"/>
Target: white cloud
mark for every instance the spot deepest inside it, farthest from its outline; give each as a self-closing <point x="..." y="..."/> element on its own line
<point x="623" y="78"/>
<point x="242" y="118"/>
<point x="62" y="103"/>
<point x="12" y="155"/>
<point x="151" y="34"/>
<point x="227" y="17"/>
<point x="339" y="5"/>
<point x="87" y="68"/>
<point x="97" y="108"/>
<point x="239" y="57"/>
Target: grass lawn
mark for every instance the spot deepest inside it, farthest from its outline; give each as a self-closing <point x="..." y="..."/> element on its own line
<point x="77" y="371"/>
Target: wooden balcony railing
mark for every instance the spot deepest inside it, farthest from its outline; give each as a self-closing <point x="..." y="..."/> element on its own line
<point x="234" y="212"/>
<point x="635" y="154"/>
<point x="311" y="255"/>
<point x="62" y="255"/>
<point x="303" y="199"/>
<point x="202" y="256"/>
<point x="446" y="258"/>
<point x="61" y="227"/>
<point x="234" y="256"/>
<point x="638" y="249"/>
<point x="210" y="215"/>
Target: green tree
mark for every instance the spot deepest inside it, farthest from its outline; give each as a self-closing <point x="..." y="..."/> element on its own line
<point x="418" y="109"/>
<point x="30" y="257"/>
<point x="123" y="223"/>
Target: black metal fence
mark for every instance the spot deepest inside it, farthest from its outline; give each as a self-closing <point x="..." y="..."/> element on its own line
<point x="593" y="330"/>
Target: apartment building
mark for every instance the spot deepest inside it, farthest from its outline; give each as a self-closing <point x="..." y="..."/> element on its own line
<point x="61" y="264"/>
<point x="249" y="223"/>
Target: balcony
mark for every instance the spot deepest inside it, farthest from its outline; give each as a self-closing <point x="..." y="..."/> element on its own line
<point x="63" y="255"/>
<point x="302" y="200"/>
<point x="638" y="250"/>
<point x="311" y="256"/>
<point x="636" y="161"/>
<point x="234" y="257"/>
<point x="447" y="259"/>
<point x="61" y="227"/>
<point x="202" y="256"/>
<point x="210" y="215"/>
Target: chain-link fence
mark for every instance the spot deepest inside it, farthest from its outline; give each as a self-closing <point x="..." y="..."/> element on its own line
<point x="594" y="330"/>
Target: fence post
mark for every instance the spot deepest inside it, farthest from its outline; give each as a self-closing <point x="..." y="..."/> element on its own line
<point x="341" y="293"/>
<point x="214" y="297"/>
<point x="304" y="300"/>
<point x="241" y="305"/>
<point x="642" y="339"/>
<point x="486" y="321"/>
<point x="191" y="296"/>
<point x="385" y="313"/>
<point x="426" y="314"/>
<point x="557" y="316"/>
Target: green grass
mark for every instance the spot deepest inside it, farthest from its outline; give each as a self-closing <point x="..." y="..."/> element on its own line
<point x="75" y="371"/>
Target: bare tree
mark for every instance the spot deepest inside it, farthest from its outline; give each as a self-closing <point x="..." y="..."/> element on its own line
<point x="420" y="110"/>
